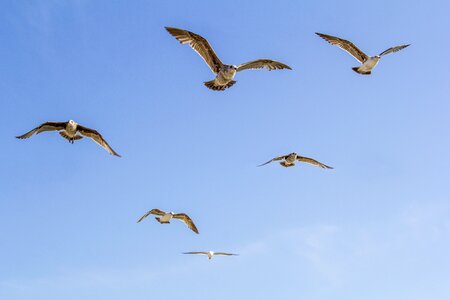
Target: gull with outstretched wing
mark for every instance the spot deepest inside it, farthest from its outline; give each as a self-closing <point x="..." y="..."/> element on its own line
<point x="165" y="217"/>
<point x="69" y="130"/>
<point x="211" y="254"/>
<point x="289" y="160"/>
<point x="224" y="73"/>
<point x="367" y="62"/>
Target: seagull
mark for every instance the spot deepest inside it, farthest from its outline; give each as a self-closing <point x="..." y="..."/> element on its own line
<point x="165" y="217"/>
<point x="368" y="63"/>
<point x="69" y="130"/>
<point x="210" y="254"/>
<point x="224" y="73"/>
<point x="289" y="161"/>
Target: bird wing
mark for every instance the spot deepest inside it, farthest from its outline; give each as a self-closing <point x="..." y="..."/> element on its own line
<point x="263" y="63"/>
<point x="313" y="162"/>
<point x="224" y="253"/>
<point x="188" y="221"/>
<point x="196" y="252"/>
<point x="97" y="137"/>
<point x="47" y="126"/>
<point x="393" y="49"/>
<point x="273" y="159"/>
<point x="154" y="211"/>
<point x="200" y="45"/>
<point x="345" y="45"/>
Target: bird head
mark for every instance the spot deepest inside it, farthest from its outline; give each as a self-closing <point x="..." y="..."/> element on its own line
<point x="234" y="67"/>
<point x="72" y="122"/>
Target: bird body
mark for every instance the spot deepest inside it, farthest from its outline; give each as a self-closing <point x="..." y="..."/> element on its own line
<point x="165" y="219"/>
<point x="367" y="66"/>
<point x="289" y="160"/>
<point x="226" y="74"/>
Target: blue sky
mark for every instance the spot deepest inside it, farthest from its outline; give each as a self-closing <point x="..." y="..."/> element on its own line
<point x="375" y="227"/>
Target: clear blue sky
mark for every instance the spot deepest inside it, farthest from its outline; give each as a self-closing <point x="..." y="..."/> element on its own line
<point x="376" y="227"/>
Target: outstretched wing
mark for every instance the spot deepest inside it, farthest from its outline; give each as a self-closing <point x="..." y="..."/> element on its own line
<point x="154" y="211"/>
<point x="313" y="162"/>
<point x="273" y="159"/>
<point x="199" y="44"/>
<point x="345" y="45"/>
<point x="196" y="252"/>
<point x="47" y="126"/>
<point x="97" y="137"/>
<point x="263" y="63"/>
<point x="185" y="218"/>
<point x="224" y="253"/>
<point x="393" y="49"/>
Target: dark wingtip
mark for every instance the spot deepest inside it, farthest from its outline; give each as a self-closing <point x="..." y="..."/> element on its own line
<point x="170" y="29"/>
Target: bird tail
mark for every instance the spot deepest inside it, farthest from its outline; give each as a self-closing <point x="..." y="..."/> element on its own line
<point x="64" y="135"/>
<point x="161" y="222"/>
<point x="286" y="165"/>
<point x="356" y="69"/>
<point x="217" y="87"/>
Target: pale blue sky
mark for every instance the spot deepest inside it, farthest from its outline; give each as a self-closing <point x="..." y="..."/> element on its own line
<point x="376" y="227"/>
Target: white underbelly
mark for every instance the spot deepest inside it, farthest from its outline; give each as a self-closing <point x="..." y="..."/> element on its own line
<point x="70" y="134"/>
<point x="369" y="65"/>
<point x="166" y="218"/>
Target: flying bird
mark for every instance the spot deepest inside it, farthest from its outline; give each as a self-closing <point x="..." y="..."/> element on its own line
<point x="290" y="159"/>
<point x="224" y="73"/>
<point x="368" y="63"/>
<point x="69" y="130"/>
<point x="165" y="217"/>
<point x="210" y="254"/>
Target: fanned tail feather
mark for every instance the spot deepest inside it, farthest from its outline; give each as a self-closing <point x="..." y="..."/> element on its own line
<point x="286" y="165"/>
<point x="213" y="86"/>
<point x="356" y="69"/>
<point x="67" y="137"/>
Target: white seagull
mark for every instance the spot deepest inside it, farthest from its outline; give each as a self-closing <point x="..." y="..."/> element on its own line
<point x="69" y="130"/>
<point x="368" y="63"/>
<point x="224" y="73"/>
<point x="165" y="217"/>
<point x="289" y="161"/>
<point x="210" y="254"/>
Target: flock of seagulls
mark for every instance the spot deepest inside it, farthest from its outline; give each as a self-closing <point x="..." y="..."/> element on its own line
<point x="224" y="79"/>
